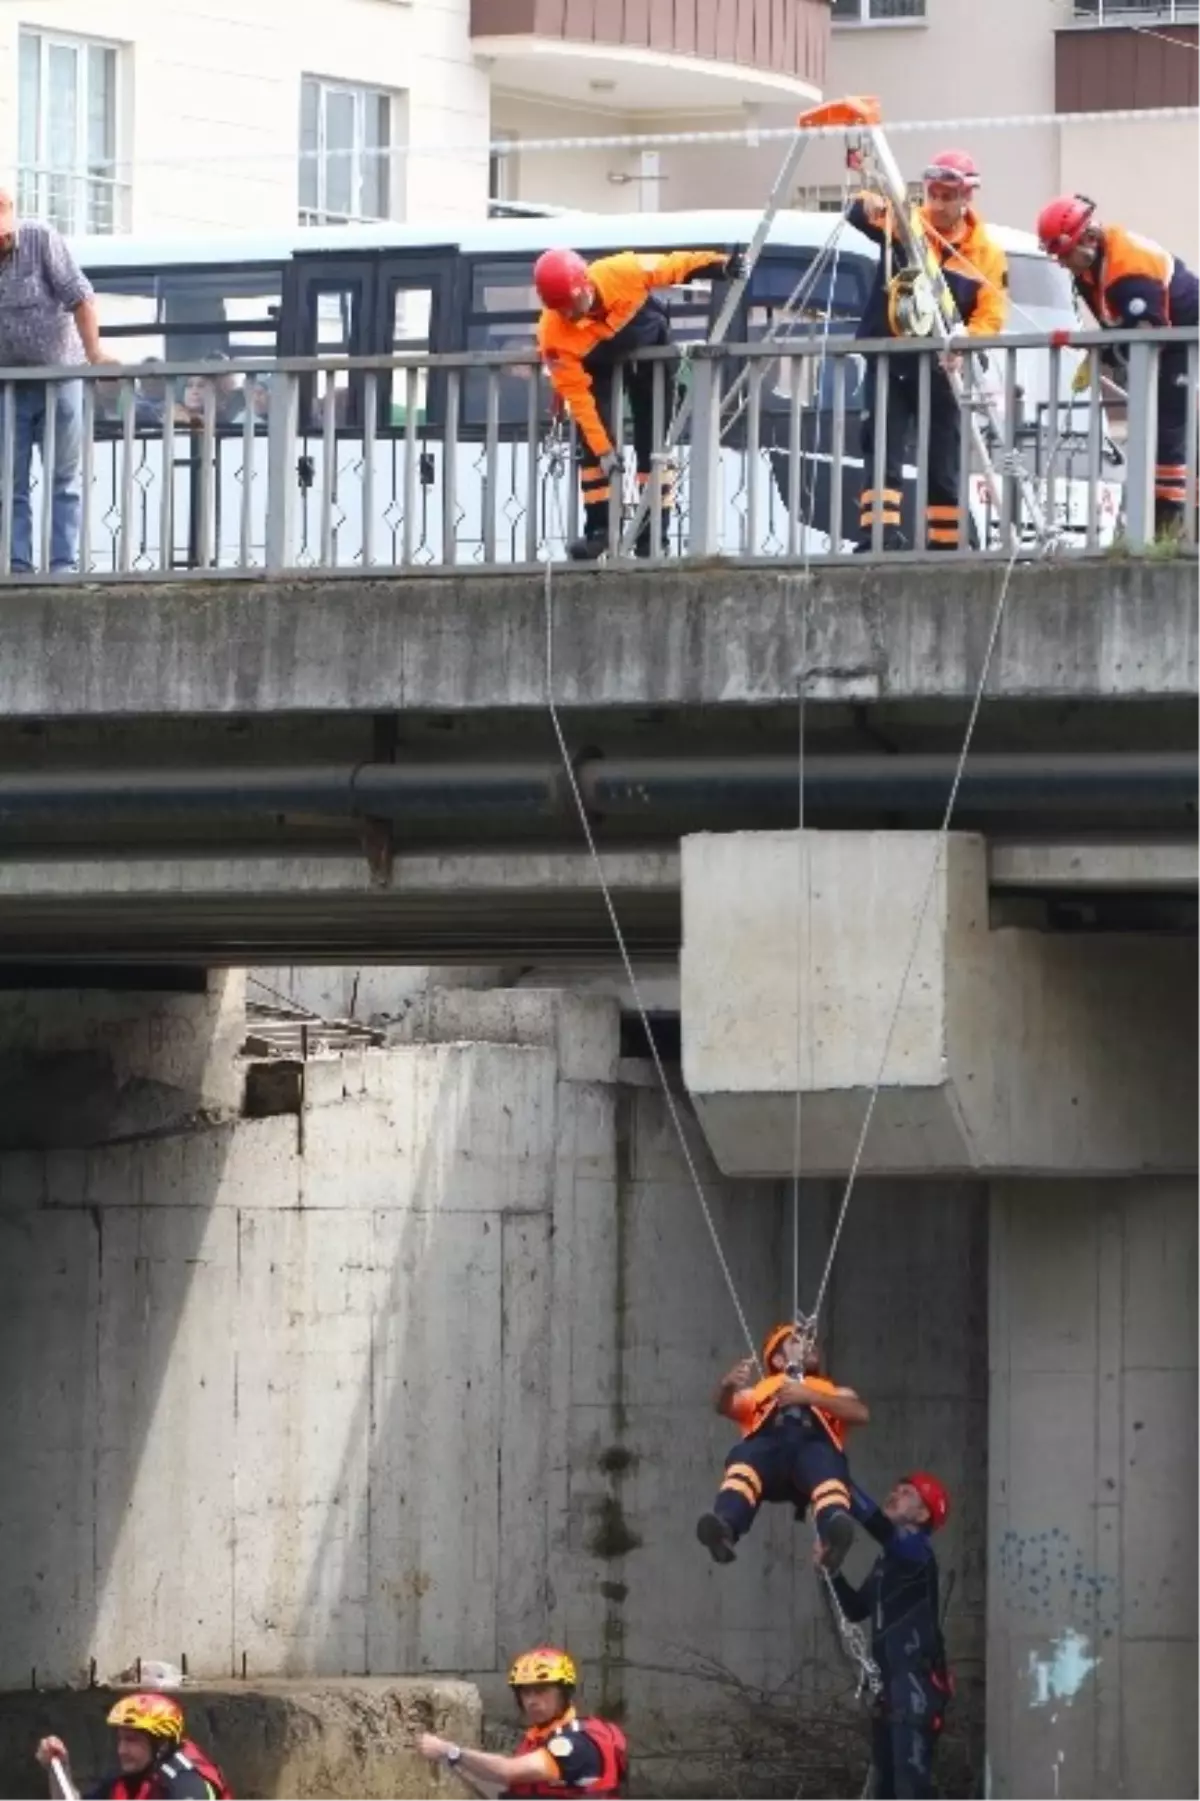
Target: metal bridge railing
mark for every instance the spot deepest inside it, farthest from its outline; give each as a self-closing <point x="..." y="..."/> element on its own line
<point x="353" y="464"/>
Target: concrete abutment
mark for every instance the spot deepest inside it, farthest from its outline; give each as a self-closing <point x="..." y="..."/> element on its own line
<point x="398" y="1382"/>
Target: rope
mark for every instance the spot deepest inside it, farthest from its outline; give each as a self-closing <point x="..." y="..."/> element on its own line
<point x="935" y="866"/>
<point x="801" y="916"/>
<point x="854" y="1643"/>
<point x="803" y="871"/>
<point x="746" y="135"/>
<point x="626" y="960"/>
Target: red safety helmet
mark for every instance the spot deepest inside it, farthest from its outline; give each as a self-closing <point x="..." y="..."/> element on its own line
<point x="1063" y="223"/>
<point x="933" y="1495"/>
<point x="560" y="277"/>
<point x="954" y="165"/>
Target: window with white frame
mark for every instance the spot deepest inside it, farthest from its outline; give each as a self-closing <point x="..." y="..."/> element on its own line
<point x="823" y="198"/>
<point x="1137" y="12"/>
<point x="346" y="135"/>
<point x="67" y="112"/>
<point x="875" y="12"/>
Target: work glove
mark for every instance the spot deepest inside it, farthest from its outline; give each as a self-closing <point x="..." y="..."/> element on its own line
<point x="734" y="266"/>
<point x="610" y="463"/>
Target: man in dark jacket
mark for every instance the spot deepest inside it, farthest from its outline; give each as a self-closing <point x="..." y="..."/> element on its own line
<point x="900" y="1598"/>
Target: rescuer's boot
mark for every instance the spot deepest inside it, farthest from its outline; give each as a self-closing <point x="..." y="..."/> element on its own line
<point x="588" y="549"/>
<point x="893" y="539"/>
<point x="837" y="1536"/>
<point x="716" y="1537"/>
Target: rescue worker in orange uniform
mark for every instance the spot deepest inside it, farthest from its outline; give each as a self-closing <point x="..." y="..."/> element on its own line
<point x="793" y="1448"/>
<point x="596" y="316"/>
<point x="560" y="1754"/>
<point x="976" y="272"/>
<point x="156" y="1762"/>
<point x="1130" y="281"/>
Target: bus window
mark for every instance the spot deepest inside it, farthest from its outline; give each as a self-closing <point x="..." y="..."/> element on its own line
<point x="778" y="283"/>
<point x="412" y="313"/>
<point x="503" y="317"/>
<point x="185" y="315"/>
<point x="335" y="309"/>
<point x="689" y="308"/>
<point x="188" y="315"/>
<point x="504" y="288"/>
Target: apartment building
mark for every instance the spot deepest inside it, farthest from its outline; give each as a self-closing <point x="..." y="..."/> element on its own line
<point x="951" y="59"/>
<point x="203" y="115"/>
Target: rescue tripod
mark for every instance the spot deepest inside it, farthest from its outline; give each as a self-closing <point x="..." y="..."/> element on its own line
<point x="921" y="303"/>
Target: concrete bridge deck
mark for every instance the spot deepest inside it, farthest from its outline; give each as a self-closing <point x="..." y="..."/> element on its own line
<point x="718" y="635"/>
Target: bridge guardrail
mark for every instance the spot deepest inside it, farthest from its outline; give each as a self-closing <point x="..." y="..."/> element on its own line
<point x="409" y="462"/>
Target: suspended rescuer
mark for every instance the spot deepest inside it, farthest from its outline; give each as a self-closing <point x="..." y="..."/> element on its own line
<point x="976" y="271"/>
<point x="560" y="1754"/>
<point x="154" y="1758"/>
<point x="595" y="316"/>
<point x="794" y="1424"/>
<point x="1129" y="281"/>
<point x="900" y="1598"/>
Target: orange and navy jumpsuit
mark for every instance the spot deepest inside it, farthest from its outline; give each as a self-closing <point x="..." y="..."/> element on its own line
<point x="582" y="1757"/>
<point x="976" y="272"/>
<point x="1136" y="282"/>
<point x="581" y="354"/>
<point x="795" y="1454"/>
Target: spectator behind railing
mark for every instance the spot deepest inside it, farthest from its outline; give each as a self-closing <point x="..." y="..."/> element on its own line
<point x="230" y="403"/>
<point x="47" y="317"/>
<point x="151" y="402"/>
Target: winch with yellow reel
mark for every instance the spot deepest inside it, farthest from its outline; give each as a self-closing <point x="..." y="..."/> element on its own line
<point x="912" y="306"/>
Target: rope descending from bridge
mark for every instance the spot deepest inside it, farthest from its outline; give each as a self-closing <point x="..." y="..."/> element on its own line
<point x="935" y="867"/>
<point x="627" y="961"/>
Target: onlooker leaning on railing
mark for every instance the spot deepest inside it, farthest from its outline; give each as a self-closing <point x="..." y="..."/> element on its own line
<point x="47" y="317"/>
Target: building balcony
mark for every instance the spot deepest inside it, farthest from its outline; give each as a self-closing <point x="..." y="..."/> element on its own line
<point x="1116" y="56"/>
<point x="656" y="56"/>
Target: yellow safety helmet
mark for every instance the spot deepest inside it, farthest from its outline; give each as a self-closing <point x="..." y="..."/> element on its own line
<point x="544" y="1664"/>
<point x="156" y="1714"/>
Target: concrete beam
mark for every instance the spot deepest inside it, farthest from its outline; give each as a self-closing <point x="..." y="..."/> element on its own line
<point x="467" y="908"/>
<point x="1100" y="867"/>
<point x="722" y="634"/>
<point x="1011" y="1052"/>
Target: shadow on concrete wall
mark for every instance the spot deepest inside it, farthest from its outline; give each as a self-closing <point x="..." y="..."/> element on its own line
<point x="110" y="1492"/>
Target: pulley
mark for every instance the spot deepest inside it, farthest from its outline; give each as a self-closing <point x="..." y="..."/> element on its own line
<point x="912" y="306"/>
